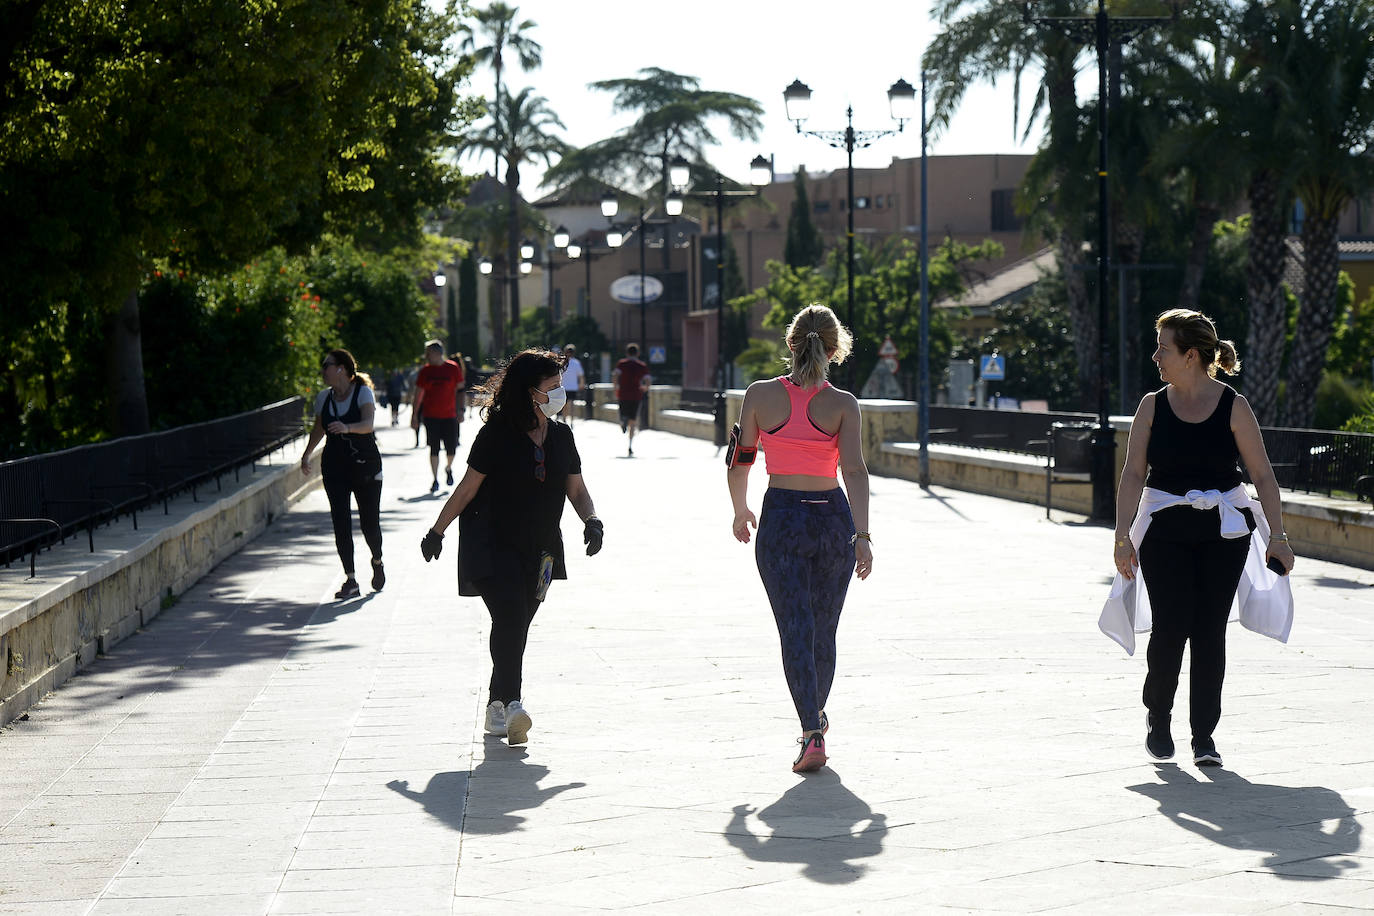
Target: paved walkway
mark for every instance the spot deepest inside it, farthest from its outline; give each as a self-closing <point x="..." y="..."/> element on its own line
<point x="263" y="749"/>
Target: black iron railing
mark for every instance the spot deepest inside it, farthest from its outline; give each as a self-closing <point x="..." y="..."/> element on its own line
<point x="1004" y="430"/>
<point x="45" y="499"/>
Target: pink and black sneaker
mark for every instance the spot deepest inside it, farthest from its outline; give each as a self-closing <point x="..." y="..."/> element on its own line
<point x="812" y="756"/>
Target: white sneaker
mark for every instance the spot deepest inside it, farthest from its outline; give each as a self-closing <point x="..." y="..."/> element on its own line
<point x="517" y="723"/>
<point x="496" y="718"/>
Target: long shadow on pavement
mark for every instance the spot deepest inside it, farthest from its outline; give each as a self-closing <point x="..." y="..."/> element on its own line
<point x="484" y="799"/>
<point x="818" y="824"/>
<point x="1287" y="822"/>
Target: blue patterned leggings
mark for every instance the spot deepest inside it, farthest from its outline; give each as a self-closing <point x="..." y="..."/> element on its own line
<point x="805" y="560"/>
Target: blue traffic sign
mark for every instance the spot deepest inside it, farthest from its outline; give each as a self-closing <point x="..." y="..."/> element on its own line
<point x="658" y="355"/>
<point x="993" y="368"/>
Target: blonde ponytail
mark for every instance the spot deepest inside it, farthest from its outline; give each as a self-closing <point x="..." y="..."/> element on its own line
<point x="816" y="339"/>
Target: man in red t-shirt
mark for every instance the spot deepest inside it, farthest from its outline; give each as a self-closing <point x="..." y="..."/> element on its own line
<point x="438" y="390"/>
<point x="631" y="378"/>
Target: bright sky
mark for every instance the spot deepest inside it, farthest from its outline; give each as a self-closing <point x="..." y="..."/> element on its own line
<point x="849" y="53"/>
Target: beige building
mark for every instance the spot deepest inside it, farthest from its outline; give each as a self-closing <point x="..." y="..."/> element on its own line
<point x="970" y="199"/>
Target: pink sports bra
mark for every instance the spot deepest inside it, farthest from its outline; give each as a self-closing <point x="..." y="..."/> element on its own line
<point x="799" y="446"/>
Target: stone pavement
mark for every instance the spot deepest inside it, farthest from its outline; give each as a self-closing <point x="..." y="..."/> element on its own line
<point x="260" y="748"/>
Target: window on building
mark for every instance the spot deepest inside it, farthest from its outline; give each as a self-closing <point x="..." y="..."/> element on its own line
<point x="821" y="206"/>
<point x="878" y="202"/>
<point x="1004" y="217"/>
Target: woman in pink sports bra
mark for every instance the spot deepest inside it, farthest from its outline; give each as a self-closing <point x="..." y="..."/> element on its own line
<point x="808" y="543"/>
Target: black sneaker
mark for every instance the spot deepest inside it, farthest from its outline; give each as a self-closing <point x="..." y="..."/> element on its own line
<point x="434" y="487"/>
<point x="378" y="576"/>
<point x="1158" y="741"/>
<point x="1205" y="753"/>
<point x="350" y="590"/>
<point x="449" y="472"/>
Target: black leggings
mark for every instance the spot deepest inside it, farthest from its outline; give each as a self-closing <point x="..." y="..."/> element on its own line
<point x="1191" y="585"/>
<point x="510" y="602"/>
<point x="340" y="489"/>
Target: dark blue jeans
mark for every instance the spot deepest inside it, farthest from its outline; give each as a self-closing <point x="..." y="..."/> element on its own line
<point x="806" y="561"/>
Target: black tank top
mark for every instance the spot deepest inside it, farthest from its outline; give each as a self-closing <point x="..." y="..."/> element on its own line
<point x="1193" y="456"/>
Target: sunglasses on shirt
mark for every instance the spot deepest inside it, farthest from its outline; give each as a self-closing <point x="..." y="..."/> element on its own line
<point x="539" y="472"/>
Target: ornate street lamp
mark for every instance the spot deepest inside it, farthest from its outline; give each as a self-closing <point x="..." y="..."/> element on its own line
<point x="901" y="99"/>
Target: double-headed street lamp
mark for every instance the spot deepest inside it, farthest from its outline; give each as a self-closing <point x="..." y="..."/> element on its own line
<point x="901" y="99"/>
<point x="1103" y="31"/>
<point x="760" y="175"/>
<point x="582" y="251"/>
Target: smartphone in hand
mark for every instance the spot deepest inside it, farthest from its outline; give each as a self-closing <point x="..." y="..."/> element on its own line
<point x="1276" y="566"/>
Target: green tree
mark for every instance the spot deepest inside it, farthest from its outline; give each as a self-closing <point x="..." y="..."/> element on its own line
<point x="130" y="135"/>
<point x="497" y="25"/>
<point x="1352" y="345"/>
<point x="1333" y="167"/>
<point x="1037" y="340"/>
<point x="382" y="314"/>
<point x="674" y="118"/>
<point x="467" y="341"/>
<point x="528" y="136"/>
<point x="803" y="247"/>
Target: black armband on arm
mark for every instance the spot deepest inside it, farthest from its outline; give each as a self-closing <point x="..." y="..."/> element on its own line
<point x="736" y="453"/>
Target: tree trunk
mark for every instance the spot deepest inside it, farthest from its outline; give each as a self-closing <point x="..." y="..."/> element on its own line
<point x="1205" y="218"/>
<point x="1082" y="316"/>
<point x="128" y="404"/>
<point x="513" y="237"/>
<point x="1316" y="318"/>
<point x="1264" y="338"/>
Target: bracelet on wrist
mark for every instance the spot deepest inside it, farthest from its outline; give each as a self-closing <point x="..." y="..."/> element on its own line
<point x="860" y="534"/>
<point x="1279" y="537"/>
<point x="1122" y="542"/>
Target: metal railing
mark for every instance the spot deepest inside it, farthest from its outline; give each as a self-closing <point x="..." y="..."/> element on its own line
<point x="45" y="499"/>
<point x="1311" y="460"/>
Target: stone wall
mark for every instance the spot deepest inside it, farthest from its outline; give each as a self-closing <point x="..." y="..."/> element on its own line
<point x="46" y="638"/>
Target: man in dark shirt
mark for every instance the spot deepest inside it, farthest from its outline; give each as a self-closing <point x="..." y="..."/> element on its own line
<point x="437" y="390"/>
<point x="631" y="378"/>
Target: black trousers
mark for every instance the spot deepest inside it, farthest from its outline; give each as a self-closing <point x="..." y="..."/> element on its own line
<point x="341" y="490"/>
<point x="511" y="603"/>
<point x="1191" y="582"/>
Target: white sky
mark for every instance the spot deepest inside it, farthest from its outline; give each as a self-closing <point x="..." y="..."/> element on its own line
<point x="849" y="53"/>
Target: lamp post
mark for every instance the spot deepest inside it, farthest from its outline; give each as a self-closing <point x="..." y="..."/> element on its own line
<point x="583" y="251"/>
<point x="923" y="363"/>
<point x="1103" y="31"/>
<point x="486" y="269"/>
<point x="901" y="98"/>
<point x="760" y="174"/>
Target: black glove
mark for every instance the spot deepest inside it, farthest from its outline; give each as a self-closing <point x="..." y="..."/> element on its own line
<point x="431" y="545"/>
<point x="592" y="532"/>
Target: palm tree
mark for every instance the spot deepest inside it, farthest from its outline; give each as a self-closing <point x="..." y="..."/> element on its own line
<point x="981" y="42"/>
<point x="1334" y="63"/>
<point x="675" y="116"/>
<point x="497" y="24"/>
<point x="528" y="136"/>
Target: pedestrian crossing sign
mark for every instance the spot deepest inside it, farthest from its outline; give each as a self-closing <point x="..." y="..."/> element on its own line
<point x="993" y="368"/>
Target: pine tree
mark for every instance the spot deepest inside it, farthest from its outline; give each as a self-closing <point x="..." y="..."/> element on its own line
<point x="467" y="342"/>
<point x="803" y="247"/>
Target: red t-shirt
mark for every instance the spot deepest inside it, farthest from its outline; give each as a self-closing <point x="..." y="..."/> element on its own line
<point x="439" y="386"/>
<point x="632" y="372"/>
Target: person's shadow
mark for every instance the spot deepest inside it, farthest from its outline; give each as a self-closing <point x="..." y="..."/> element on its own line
<point x="484" y="799"/>
<point x="1287" y="822"/>
<point x="819" y="824"/>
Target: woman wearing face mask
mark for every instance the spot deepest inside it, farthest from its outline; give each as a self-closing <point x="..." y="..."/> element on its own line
<point x="509" y="504"/>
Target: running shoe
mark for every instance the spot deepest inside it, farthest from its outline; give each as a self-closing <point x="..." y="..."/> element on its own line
<point x="449" y="472"/>
<point x="812" y="756"/>
<point x="517" y="723"/>
<point x="496" y="718"/>
<point x="1205" y="753"/>
<point x="825" y="722"/>
<point x="434" y="487"/>
<point x="1158" y="741"/>
<point x="350" y="590"/>
<point x="378" y="576"/>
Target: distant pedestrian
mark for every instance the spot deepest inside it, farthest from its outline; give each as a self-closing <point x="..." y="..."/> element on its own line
<point x="574" y="380"/>
<point x="521" y="468"/>
<point x="631" y="378"/>
<point x="438" y="388"/>
<point x="1183" y="517"/>
<point x="395" y="390"/>
<point x="351" y="465"/>
<point x="808" y="545"/>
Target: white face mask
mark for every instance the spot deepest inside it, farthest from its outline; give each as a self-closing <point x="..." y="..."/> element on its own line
<point x="557" y="398"/>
